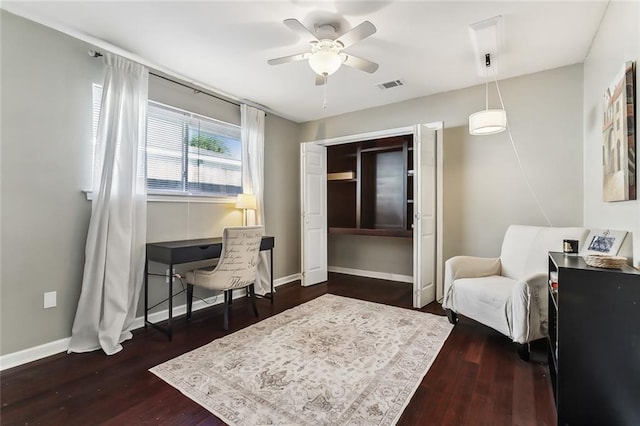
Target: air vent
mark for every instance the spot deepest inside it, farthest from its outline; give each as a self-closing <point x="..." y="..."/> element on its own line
<point x="390" y="84"/>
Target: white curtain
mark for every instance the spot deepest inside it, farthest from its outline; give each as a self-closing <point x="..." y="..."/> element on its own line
<point x="115" y="248"/>
<point x="252" y="124"/>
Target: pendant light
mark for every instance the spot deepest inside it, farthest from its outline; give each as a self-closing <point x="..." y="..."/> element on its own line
<point x="488" y="121"/>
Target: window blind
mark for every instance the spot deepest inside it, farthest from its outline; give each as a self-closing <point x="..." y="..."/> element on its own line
<point x="187" y="153"/>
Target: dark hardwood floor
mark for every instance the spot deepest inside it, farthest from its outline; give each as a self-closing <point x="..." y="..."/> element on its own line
<point x="477" y="378"/>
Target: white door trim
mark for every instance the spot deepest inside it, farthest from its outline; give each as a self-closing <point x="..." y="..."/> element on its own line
<point x="438" y="125"/>
<point x="365" y="136"/>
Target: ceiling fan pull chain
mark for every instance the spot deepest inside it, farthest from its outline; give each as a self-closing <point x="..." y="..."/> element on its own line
<point x="324" y="93"/>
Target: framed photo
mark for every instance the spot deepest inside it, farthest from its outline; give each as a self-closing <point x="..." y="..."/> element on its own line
<point x="603" y="241"/>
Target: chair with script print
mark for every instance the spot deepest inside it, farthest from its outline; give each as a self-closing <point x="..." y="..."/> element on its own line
<point x="236" y="268"/>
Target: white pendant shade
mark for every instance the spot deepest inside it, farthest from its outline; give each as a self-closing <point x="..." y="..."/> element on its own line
<point x="488" y="122"/>
<point x="325" y="62"/>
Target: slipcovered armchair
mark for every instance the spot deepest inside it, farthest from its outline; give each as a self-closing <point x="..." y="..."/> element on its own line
<point x="508" y="293"/>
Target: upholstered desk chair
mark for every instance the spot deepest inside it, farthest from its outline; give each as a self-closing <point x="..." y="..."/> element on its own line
<point x="236" y="268"/>
<point x="508" y="293"/>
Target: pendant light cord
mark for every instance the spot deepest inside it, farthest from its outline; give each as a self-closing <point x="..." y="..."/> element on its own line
<point x="486" y="87"/>
<point x="515" y="151"/>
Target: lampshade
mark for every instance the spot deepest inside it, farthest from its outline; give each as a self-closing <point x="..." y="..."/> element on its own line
<point x="246" y="201"/>
<point x="325" y="62"/>
<point x="488" y="122"/>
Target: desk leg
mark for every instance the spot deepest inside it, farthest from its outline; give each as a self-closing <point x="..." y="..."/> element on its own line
<point x="271" y="272"/>
<point x="170" y="299"/>
<point x="146" y="291"/>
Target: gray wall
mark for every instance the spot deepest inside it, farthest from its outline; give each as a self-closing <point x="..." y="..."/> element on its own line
<point x="46" y="144"/>
<point x="46" y="163"/>
<point x="617" y="41"/>
<point x="390" y="255"/>
<point x="484" y="190"/>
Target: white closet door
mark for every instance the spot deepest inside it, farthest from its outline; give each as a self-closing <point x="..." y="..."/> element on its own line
<point x="424" y="221"/>
<point x="313" y="174"/>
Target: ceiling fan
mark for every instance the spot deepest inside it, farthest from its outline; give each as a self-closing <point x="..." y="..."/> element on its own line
<point x="327" y="47"/>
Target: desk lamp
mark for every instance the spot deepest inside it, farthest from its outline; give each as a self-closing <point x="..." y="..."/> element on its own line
<point x="245" y="202"/>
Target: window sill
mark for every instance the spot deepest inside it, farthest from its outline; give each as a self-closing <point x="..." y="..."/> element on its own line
<point x="173" y="198"/>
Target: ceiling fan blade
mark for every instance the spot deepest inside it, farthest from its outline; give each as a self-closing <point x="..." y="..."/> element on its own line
<point x="320" y="80"/>
<point x="359" y="63"/>
<point x="287" y="59"/>
<point x="358" y="33"/>
<point x="297" y="27"/>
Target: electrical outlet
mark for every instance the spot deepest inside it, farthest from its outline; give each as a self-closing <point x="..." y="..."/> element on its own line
<point x="50" y="299"/>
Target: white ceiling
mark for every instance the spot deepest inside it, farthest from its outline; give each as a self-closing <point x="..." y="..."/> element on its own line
<point x="225" y="45"/>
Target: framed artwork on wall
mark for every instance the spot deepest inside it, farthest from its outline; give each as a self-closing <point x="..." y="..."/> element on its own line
<point x="618" y="137"/>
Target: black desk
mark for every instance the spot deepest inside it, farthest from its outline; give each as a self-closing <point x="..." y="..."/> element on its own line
<point x="176" y="252"/>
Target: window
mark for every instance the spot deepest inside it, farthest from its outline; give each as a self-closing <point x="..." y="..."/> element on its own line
<point x="187" y="153"/>
<point x="191" y="154"/>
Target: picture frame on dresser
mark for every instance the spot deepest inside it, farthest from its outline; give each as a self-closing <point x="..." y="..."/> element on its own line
<point x="603" y="242"/>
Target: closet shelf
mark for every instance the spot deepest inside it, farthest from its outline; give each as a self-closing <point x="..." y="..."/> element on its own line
<point x="373" y="232"/>
<point x="342" y="176"/>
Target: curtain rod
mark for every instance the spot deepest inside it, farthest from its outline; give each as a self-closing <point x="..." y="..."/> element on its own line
<point x="193" y="88"/>
<point x="95" y="54"/>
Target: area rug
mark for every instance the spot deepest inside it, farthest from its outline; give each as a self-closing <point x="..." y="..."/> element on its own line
<point x="331" y="361"/>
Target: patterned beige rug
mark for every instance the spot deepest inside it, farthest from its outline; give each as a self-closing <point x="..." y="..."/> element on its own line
<point x="331" y="361"/>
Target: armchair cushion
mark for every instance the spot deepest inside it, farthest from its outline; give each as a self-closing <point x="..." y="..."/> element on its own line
<point x="486" y="300"/>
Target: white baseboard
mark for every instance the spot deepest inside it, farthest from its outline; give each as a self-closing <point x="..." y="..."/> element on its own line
<point x="182" y="309"/>
<point x="201" y="304"/>
<point x="372" y="274"/>
<point x="33" y="354"/>
<point x="285" y="280"/>
<point x="52" y="348"/>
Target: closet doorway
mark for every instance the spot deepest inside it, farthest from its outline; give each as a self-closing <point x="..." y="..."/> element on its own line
<point x="385" y="183"/>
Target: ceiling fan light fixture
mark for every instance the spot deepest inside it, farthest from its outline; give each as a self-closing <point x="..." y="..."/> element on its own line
<point x="325" y="62"/>
<point x="326" y="49"/>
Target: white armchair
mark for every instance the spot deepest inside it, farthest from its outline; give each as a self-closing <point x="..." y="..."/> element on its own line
<point x="508" y="293"/>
